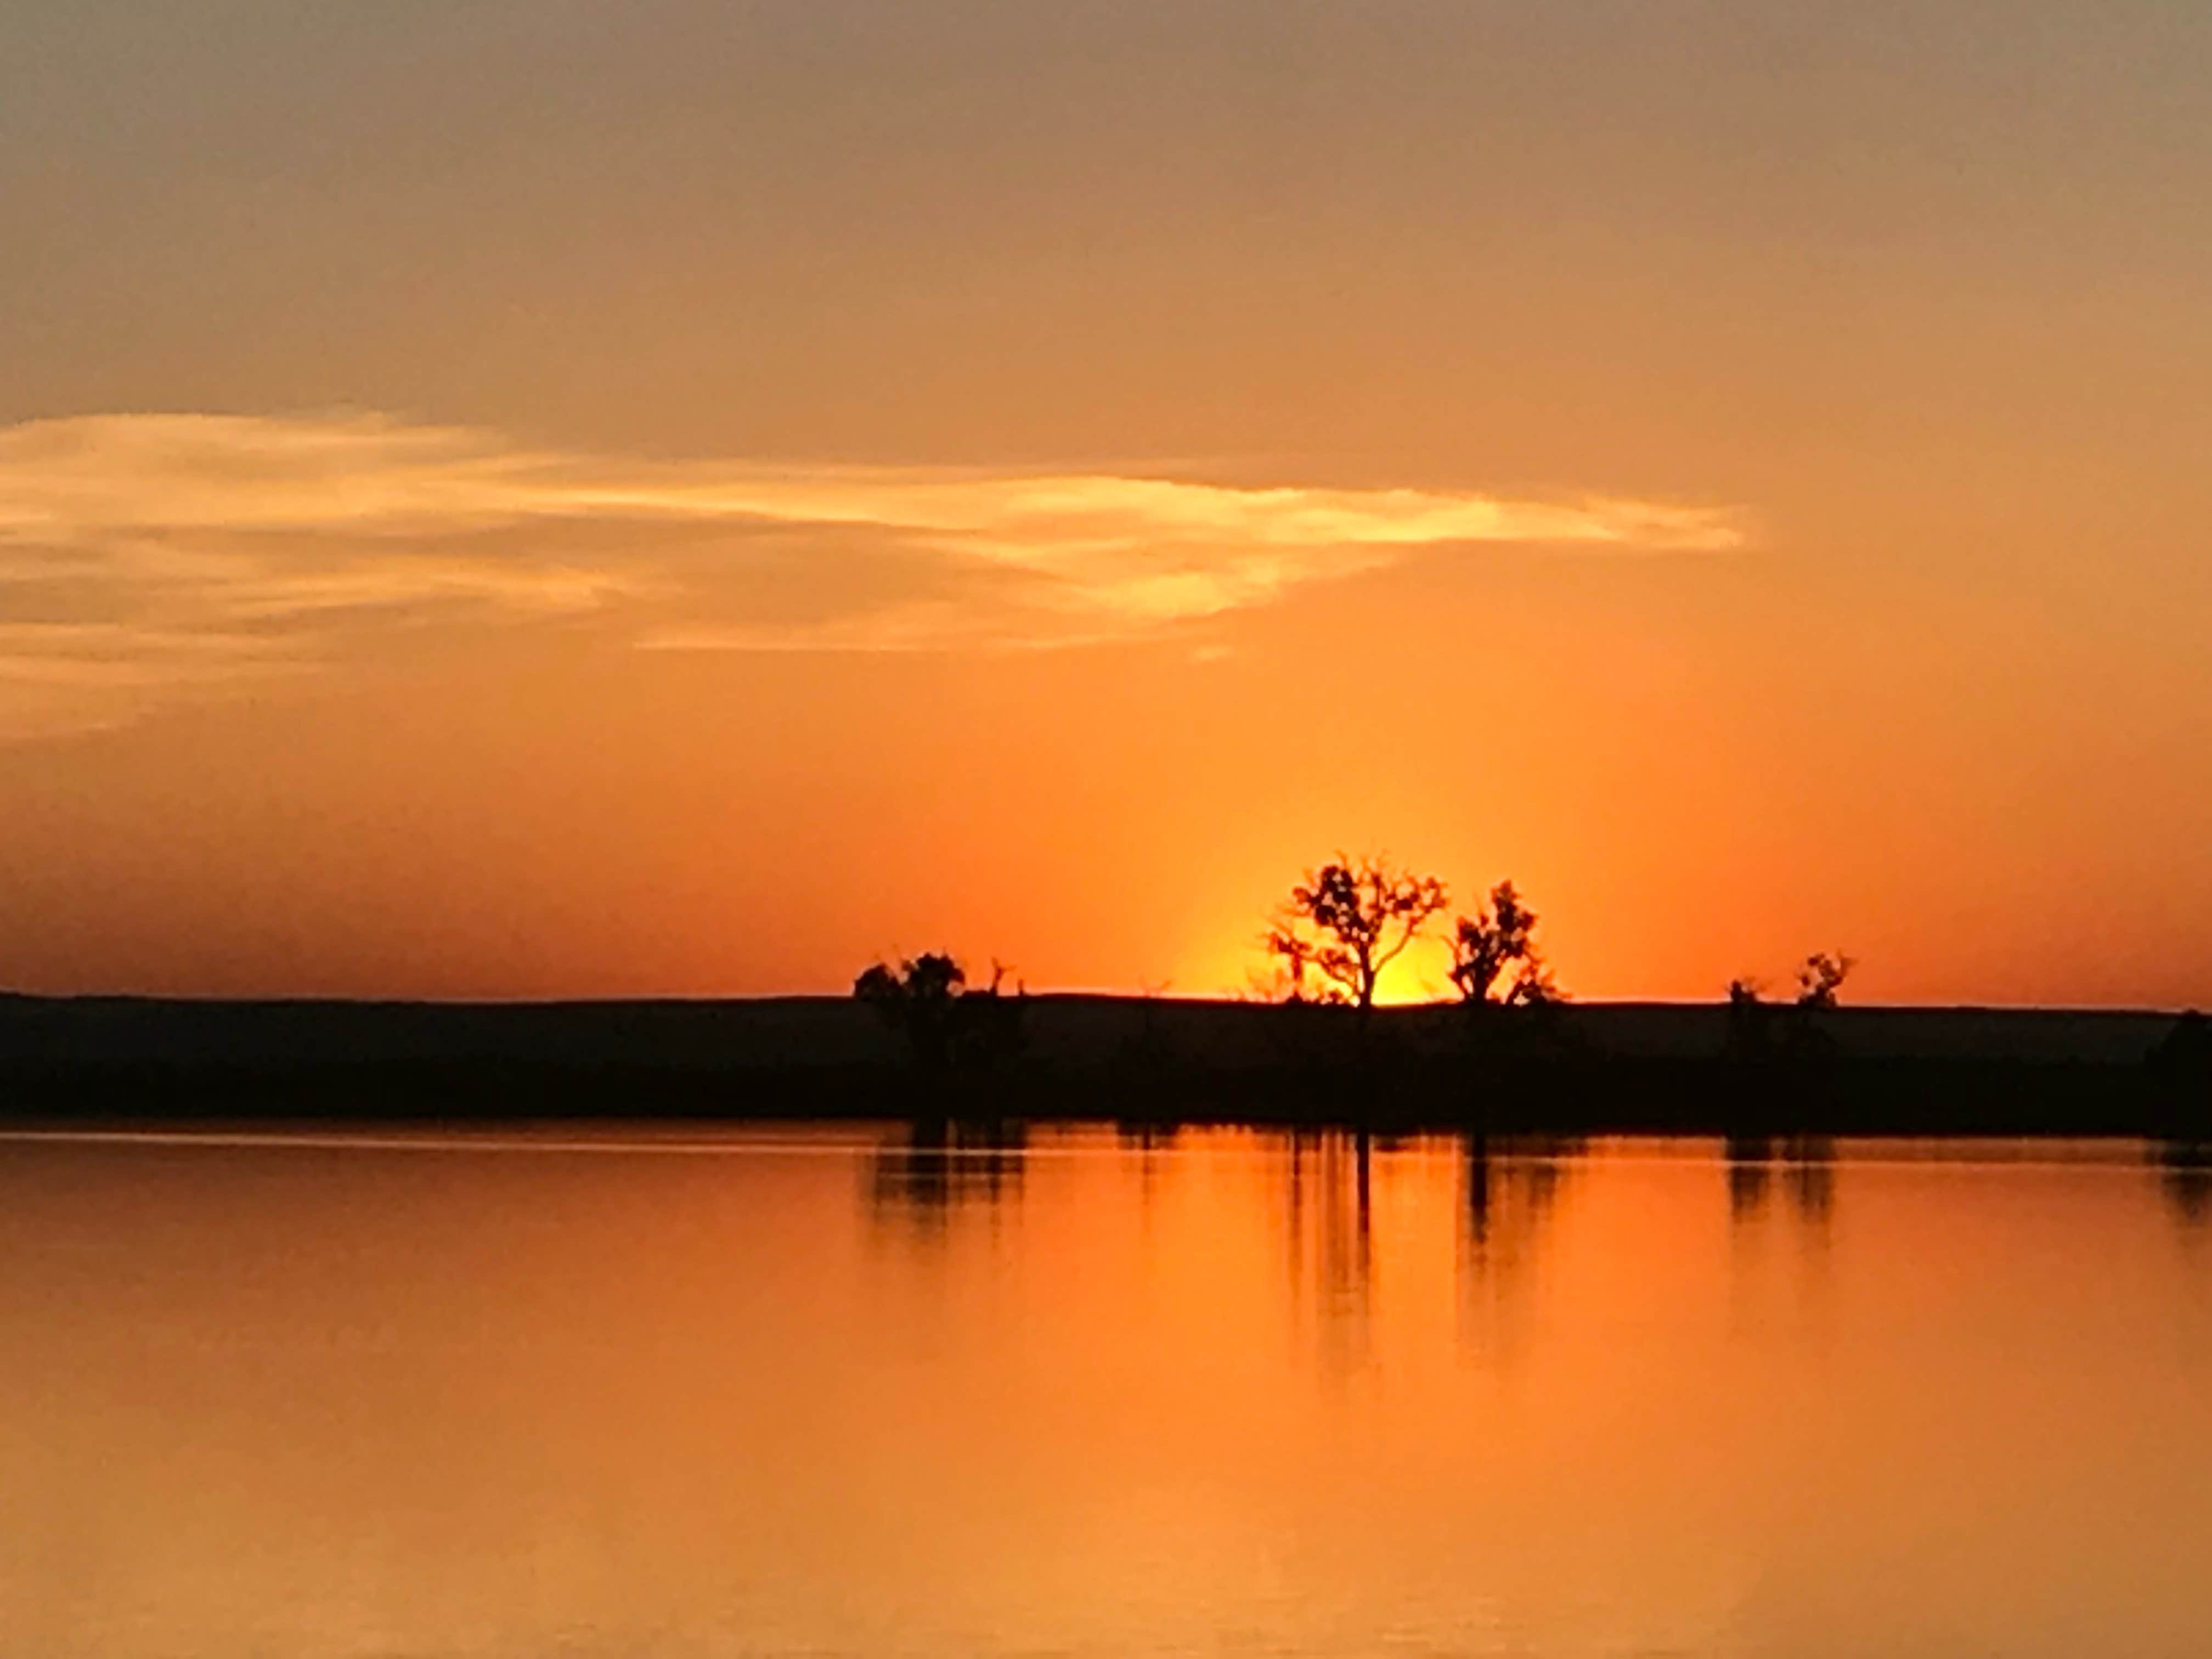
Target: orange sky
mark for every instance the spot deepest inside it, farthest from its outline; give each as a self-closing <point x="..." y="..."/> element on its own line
<point x="538" y="499"/>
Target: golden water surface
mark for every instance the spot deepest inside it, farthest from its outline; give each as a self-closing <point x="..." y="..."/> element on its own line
<point x="845" y="1390"/>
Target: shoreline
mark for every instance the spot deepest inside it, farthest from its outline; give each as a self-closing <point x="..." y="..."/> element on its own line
<point x="1524" y="1097"/>
<point x="1585" y="1069"/>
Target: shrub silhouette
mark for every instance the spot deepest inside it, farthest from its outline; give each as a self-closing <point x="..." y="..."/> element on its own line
<point x="945" y="1021"/>
<point x="1346" y="922"/>
<point x="1750" y="1019"/>
<point x="1757" y="1028"/>
<point x="1496" y="937"/>
<point x="1822" y="977"/>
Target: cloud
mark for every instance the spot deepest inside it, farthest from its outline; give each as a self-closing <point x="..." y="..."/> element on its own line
<point x="173" y="549"/>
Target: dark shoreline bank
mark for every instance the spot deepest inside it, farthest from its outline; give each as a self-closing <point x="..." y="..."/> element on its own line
<point x="1620" y="1068"/>
<point x="1521" y="1097"/>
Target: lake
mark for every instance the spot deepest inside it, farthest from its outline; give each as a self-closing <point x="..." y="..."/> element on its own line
<point x="848" y="1390"/>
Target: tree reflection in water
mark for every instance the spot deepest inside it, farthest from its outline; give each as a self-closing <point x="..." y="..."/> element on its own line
<point x="1510" y="1191"/>
<point x="1748" y="1157"/>
<point x="937" y="1165"/>
<point x="1811" y="1181"/>
<point x="1148" y="1140"/>
<point x="2185" y="1174"/>
<point x="1327" y="1214"/>
<point x="1511" y="1185"/>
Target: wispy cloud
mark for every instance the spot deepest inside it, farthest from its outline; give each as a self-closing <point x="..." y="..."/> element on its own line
<point x="153" y="549"/>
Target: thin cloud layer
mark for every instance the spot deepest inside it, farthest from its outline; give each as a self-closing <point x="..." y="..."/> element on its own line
<point x="144" y="551"/>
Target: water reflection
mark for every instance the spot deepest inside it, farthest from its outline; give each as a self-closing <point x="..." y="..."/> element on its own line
<point x="732" y="1394"/>
<point x="936" y="1165"/>
<point x="1336" y="1187"/>
<point x="2185" y="1174"/>
<point x="1811" y="1180"/>
<point x="1344" y="1247"/>
<point x="1511" y="1185"/>
<point x="1346" y="1210"/>
<point x="1747" y="1157"/>
<point x="1807" y="1164"/>
<point x="1475" y="1212"/>
<point x="1150" y="1139"/>
<point x="1512" y="1189"/>
<point x="1327" y="1203"/>
<point x="1146" y="1135"/>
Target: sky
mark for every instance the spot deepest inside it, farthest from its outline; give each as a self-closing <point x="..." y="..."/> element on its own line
<point x="518" y="498"/>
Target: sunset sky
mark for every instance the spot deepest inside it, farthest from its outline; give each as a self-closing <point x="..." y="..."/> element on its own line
<point x="541" y="497"/>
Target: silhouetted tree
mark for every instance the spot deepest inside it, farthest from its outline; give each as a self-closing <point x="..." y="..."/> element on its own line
<point x="1753" y="1023"/>
<point x="1822" y="977"/>
<point x="944" y="1020"/>
<point x="1349" y="921"/>
<point x="1496" y="937"/>
<point x="1750" y="1019"/>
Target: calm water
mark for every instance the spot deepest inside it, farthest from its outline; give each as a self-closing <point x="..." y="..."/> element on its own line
<point x="823" y="1392"/>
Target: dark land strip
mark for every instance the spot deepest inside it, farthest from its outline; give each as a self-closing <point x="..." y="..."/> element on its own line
<point x="1581" y="1069"/>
